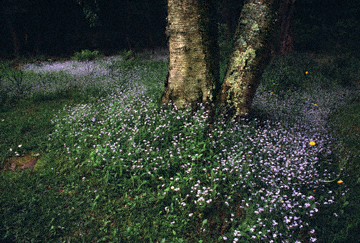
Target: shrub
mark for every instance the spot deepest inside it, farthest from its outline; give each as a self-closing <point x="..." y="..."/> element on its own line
<point x="86" y="55"/>
<point x="126" y="55"/>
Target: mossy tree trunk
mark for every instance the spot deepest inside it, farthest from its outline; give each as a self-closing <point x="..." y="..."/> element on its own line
<point x="193" y="75"/>
<point x="250" y="55"/>
<point x="194" y="53"/>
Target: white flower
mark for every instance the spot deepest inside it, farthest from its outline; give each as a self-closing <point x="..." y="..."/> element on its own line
<point x="312" y="239"/>
<point x="10" y="149"/>
<point x="20" y="146"/>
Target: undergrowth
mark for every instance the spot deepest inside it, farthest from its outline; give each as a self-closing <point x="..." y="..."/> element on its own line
<point x="114" y="167"/>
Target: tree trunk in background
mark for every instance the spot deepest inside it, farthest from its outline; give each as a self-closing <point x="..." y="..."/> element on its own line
<point x="286" y="40"/>
<point x="250" y="55"/>
<point x="127" y="23"/>
<point x="194" y="53"/>
<point x="37" y="45"/>
<point x="225" y="17"/>
<point x="149" y="24"/>
<point x="15" y="39"/>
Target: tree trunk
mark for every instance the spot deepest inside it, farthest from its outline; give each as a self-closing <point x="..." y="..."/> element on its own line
<point x="148" y="14"/>
<point x="225" y="17"/>
<point x="250" y="55"/>
<point x="194" y="53"/>
<point x="126" y="28"/>
<point x="286" y="40"/>
<point x="15" y="39"/>
<point x="193" y="75"/>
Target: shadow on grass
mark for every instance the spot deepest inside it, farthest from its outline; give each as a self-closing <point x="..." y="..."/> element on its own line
<point x="344" y="227"/>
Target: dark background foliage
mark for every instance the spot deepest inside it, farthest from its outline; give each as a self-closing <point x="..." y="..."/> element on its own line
<point x="60" y="27"/>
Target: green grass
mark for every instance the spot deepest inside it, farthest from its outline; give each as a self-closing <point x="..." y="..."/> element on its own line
<point x="112" y="167"/>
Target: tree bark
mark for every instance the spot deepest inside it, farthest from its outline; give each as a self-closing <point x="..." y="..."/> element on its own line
<point x="126" y="28"/>
<point x="15" y="39"/>
<point x="152" y="46"/>
<point x="286" y="40"/>
<point x="193" y="75"/>
<point x="250" y="55"/>
<point x="194" y="53"/>
<point x="225" y="16"/>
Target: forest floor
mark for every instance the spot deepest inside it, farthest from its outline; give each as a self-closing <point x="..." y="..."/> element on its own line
<point x="88" y="156"/>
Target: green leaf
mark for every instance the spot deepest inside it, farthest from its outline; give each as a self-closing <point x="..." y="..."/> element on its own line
<point x="204" y="222"/>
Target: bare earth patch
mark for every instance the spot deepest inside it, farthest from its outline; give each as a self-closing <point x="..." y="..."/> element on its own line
<point x="27" y="161"/>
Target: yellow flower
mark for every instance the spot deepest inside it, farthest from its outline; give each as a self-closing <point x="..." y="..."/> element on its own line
<point x="340" y="181"/>
<point x="312" y="143"/>
<point x="306" y="72"/>
<point x="315" y="104"/>
<point x="271" y="92"/>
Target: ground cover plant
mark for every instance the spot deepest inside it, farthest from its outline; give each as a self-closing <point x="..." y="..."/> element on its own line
<point x="114" y="167"/>
<point x="86" y="55"/>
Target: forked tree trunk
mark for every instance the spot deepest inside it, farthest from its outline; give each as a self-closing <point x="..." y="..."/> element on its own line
<point x="193" y="75"/>
<point x="250" y="55"/>
<point x="194" y="53"/>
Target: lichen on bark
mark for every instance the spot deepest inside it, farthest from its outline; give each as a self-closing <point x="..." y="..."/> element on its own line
<point x="193" y="68"/>
<point x="250" y="55"/>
